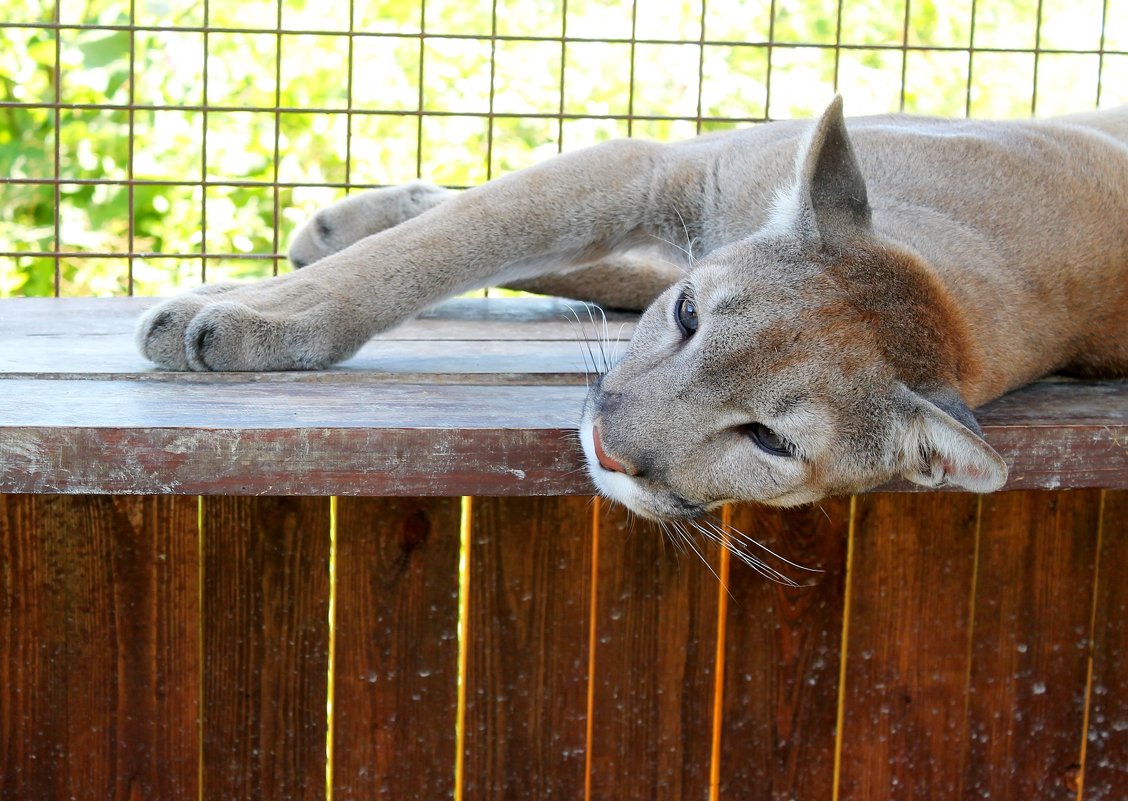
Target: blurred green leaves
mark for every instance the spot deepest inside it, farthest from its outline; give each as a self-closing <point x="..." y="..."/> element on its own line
<point x="234" y="134"/>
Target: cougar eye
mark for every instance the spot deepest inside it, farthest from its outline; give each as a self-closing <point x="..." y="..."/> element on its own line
<point x="685" y="312"/>
<point x="769" y="441"/>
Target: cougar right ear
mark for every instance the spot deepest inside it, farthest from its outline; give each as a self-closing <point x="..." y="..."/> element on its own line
<point x="942" y="445"/>
<point x="829" y="195"/>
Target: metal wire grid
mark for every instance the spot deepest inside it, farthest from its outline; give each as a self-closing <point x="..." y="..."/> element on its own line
<point x="770" y="46"/>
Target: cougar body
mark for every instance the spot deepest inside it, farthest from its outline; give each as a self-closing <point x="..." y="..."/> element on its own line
<point x="825" y="302"/>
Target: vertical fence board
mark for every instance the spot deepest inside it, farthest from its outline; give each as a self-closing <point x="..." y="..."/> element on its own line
<point x="656" y="630"/>
<point x="907" y="652"/>
<point x="1106" y="760"/>
<point x="265" y="629"/>
<point x="527" y="672"/>
<point x="396" y="664"/>
<point x="98" y="648"/>
<point x="782" y="656"/>
<point x="1030" y="646"/>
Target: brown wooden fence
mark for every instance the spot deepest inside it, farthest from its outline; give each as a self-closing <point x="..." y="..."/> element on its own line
<point x="413" y="646"/>
<point x="168" y="647"/>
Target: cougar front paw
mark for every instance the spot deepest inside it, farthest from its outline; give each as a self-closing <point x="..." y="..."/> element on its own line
<point x="228" y="335"/>
<point x="160" y="332"/>
<point x="225" y="331"/>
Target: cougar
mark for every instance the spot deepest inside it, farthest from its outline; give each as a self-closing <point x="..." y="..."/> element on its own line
<point x="825" y="302"/>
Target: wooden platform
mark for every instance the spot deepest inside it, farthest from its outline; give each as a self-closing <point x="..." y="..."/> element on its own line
<point x="184" y="615"/>
<point x="477" y="397"/>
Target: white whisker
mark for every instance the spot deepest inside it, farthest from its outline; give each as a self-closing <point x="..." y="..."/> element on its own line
<point x="747" y="540"/>
<point x="760" y="566"/>
<point x="701" y="556"/>
<point x="586" y="350"/>
<point x="675" y="246"/>
<point x="688" y="238"/>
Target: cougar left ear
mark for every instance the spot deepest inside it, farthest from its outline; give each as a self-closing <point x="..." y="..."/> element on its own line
<point x="829" y="196"/>
<point x="942" y="445"/>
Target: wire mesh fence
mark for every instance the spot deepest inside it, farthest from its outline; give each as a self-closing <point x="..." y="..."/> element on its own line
<point x="146" y="146"/>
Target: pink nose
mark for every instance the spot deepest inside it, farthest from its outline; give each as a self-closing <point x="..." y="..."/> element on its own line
<point x="606" y="461"/>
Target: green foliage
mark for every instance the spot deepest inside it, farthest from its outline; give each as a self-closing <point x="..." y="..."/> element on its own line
<point x="232" y="136"/>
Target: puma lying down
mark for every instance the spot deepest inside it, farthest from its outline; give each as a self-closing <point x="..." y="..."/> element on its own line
<point x="825" y="301"/>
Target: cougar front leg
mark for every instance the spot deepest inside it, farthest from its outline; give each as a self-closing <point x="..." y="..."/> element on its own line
<point x="630" y="281"/>
<point x="572" y="210"/>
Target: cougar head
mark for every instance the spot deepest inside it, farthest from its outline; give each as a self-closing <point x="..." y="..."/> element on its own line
<point x="813" y="358"/>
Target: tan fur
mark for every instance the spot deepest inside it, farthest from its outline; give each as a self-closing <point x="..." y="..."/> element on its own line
<point x="858" y="288"/>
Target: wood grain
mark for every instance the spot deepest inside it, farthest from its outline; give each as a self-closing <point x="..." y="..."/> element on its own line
<point x="1106" y="760"/>
<point x="656" y="635"/>
<point x="265" y="631"/>
<point x="782" y="656"/>
<point x="527" y="672"/>
<point x="904" y="721"/>
<point x="1030" y="646"/>
<point x="99" y="651"/>
<point x="395" y="687"/>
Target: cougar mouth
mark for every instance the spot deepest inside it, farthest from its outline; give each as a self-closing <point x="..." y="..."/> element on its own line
<point x="620" y="483"/>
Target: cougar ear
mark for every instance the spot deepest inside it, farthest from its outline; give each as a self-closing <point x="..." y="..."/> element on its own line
<point x="941" y="444"/>
<point x="829" y="195"/>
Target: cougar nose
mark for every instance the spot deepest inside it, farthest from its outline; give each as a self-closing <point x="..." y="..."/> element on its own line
<point x="606" y="461"/>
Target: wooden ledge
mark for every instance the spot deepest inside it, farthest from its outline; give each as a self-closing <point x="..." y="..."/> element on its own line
<point x="477" y="397"/>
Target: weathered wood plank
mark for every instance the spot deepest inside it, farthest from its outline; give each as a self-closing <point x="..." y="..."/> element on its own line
<point x="265" y="629"/>
<point x="271" y="434"/>
<point x="904" y="723"/>
<point x="84" y="337"/>
<point x="527" y="671"/>
<point x="1106" y="759"/>
<point x="656" y="634"/>
<point x="299" y="461"/>
<point x="452" y="319"/>
<point x="268" y="402"/>
<point x="99" y="653"/>
<point x="443" y="361"/>
<point x="1030" y="644"/>
<point x="396" y="677"/>
<point x="782" y="656"/>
